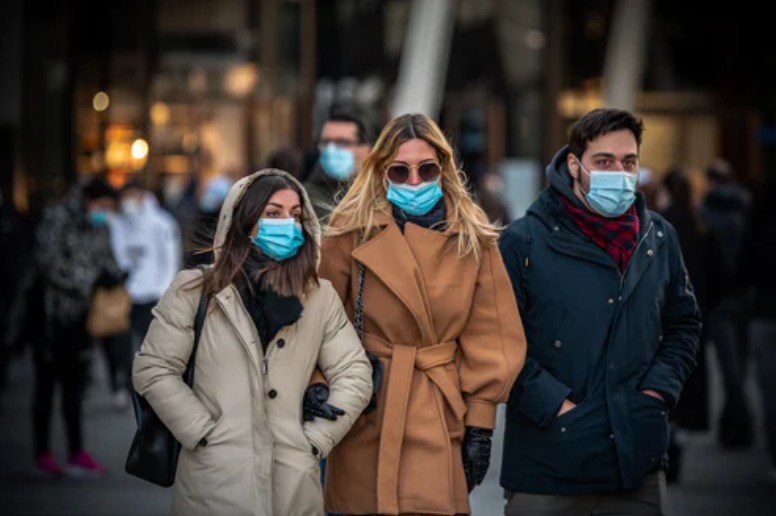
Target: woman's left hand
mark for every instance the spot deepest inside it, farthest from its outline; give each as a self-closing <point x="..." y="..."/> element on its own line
<point x="476" y="455"/>
<point x="314" y="404"/>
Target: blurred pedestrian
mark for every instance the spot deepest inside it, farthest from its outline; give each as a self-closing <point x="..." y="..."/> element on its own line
<point x="73" y="256"/>
<point x="724" y="213"/>
<point x="612" y="326"/>
<point x="703" y="259"/>
<point x="490" y="191"/>
<point x="204" y="225"/>
<point x="757" y="273"/>
<point x="289" y="159"/>
<point x="344" y="143"/>
<point x="246" y="449"/>
<point x="437" y="315"/>
<point x="14" y="243"/>
<point x="147" y="245"/>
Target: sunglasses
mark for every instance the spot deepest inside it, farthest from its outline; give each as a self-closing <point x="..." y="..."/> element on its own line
<point x="399" y="173"/>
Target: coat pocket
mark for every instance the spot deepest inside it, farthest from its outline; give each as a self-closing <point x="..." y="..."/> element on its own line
<point x="649" y="428"/>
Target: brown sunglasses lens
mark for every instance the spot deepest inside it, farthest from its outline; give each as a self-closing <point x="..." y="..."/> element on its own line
<point x="398" y="174"/>
<point x="429" y="172"/>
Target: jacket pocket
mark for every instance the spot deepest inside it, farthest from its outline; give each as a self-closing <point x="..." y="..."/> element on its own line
<point x="575" y="447"/>
<point x="650" y="432"/>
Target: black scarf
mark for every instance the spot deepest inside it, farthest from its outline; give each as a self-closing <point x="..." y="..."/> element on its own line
<point x="433" y="218"/>
<point x="269" y="310"/>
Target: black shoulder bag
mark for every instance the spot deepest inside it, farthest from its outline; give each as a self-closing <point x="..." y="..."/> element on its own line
<point x="358" y="323"/>
<point x="153" y="454"/>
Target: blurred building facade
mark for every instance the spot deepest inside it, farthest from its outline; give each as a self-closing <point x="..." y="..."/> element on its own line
<point x="162" y="89"/>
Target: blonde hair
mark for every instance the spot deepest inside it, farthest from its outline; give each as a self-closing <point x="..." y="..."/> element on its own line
<point x="367" y="194"/>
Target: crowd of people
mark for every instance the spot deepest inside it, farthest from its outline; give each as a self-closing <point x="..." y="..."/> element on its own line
<point x="368" y="310"/>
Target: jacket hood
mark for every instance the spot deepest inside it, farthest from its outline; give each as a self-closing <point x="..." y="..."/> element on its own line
<point x="235" y="195"/>
<point x="560" y="178"/>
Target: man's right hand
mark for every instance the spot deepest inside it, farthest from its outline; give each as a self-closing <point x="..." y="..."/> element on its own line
<point x="567" y="405"/>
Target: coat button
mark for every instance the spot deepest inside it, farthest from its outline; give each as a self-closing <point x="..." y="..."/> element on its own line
<point x="611" y="436"/>
<point x="649" y="253"/>
<point x="556" y="228"/>
<point x="660" y="338"/>
<point x="272" y="394"/>
<point x="660" y="234"/>
<point x="563" y="429"/>
<point x="558" y="343"/>
<point x="281" y="343"/>
<point x="611" y="301"/>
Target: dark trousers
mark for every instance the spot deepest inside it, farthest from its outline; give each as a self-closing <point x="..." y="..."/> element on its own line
<point x="730" y="333"/>
<point x="140" y="319"/>
<point x="648" y="500"/>
<point x="118" y="356"/>
<point x="764" y="344"/>
<point x="64" y="362"/>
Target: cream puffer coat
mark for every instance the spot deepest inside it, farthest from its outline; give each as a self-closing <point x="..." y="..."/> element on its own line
<point x="258" y="459"/>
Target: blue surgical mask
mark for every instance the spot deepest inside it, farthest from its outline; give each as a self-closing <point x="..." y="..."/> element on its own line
<point x="611" y="192"/>
<point x="415" y="200"/>
<point x="98" y="218"/>
<point x="279" y="239"/>
<point x="338" y="163"/>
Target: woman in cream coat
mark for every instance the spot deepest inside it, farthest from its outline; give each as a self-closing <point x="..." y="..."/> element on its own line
<point x="270" y="322"/>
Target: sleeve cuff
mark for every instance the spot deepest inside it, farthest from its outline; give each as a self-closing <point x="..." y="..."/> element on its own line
<point x="481" y="414"/>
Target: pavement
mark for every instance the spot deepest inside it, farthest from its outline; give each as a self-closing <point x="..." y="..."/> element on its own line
<point x="715" y="482"/>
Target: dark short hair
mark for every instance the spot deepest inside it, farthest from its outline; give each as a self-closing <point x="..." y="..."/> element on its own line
<point x="599" y="122"/>
<point x="720" y="171"/>
<point x="99" y="188"/>
<point x="353" y="115"/>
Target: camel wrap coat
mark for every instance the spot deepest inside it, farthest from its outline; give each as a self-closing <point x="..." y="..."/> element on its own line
<point x="449" y="335"/>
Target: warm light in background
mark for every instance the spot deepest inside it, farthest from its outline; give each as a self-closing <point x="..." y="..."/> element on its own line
<point x="139" y="149"/>
<point x="101" y="101"/>
<point x="160" y="113"/>
<point x="241" y="79"/>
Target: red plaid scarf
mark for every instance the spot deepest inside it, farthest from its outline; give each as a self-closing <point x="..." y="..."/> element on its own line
<point x="616" y="236"/>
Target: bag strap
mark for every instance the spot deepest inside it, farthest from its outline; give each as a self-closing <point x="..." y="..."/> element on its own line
<point x="199" y="323"/>
<point x="359" y="316"/>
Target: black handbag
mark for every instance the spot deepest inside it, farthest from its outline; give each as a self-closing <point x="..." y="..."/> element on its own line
<point x="153" y="454"/>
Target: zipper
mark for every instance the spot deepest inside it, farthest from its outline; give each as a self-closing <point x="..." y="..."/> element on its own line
<point x="624" y="273"/>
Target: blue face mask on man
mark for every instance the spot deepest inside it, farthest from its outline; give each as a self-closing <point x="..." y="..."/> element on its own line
<point x="337" y="162"/>
<point x="416" y="200"/>
<point x="279" y="239"/>
<point x="611" y="192"/>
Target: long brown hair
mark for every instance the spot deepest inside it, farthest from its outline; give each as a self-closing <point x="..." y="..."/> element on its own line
<point x="292" y="277"/>
<point x="368" y="193"/>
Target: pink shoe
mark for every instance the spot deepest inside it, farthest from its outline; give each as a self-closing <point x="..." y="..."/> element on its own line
<point x="82" y="465"/>
<point x="46" y="466"/>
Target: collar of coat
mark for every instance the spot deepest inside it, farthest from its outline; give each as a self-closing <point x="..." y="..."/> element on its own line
<point x="393" y="257"/>
<point x="384" y="217"/>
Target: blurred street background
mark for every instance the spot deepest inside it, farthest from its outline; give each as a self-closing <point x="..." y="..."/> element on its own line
<point x="181" y="98"/>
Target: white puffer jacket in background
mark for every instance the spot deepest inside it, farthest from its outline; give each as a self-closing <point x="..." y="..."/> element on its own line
<point x="147" y="245"/>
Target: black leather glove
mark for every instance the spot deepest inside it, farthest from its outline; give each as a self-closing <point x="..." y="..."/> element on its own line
<point x="314" y="404"/>
<point x="377" y="377"/>
<point x="476" y="455"/>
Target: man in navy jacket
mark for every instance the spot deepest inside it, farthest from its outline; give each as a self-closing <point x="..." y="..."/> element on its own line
<point x="612" y="326"/>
